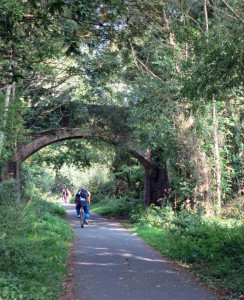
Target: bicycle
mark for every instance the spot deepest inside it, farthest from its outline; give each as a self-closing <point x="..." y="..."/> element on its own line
<point x="82" y="217"/>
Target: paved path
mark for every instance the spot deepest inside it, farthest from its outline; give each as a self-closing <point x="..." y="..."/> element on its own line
<point x="112" y="263"/>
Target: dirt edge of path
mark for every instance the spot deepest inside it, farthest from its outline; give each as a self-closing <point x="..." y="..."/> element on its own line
<point x="67" y="285"/>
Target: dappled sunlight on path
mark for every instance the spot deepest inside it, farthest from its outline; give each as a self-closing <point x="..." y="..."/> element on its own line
<point x="112" y="263"/>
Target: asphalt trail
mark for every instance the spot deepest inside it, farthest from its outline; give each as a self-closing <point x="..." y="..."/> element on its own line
<point x="112" y="263"/>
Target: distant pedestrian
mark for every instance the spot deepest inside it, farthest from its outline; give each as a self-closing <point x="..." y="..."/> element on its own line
<point x="63" y="195"/>
<point x="68" y="195"/>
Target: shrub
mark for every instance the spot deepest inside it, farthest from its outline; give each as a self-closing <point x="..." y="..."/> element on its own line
<point x="123" y="206"/>
<point x="154" y="216"/>
<point x="7" y="195"/>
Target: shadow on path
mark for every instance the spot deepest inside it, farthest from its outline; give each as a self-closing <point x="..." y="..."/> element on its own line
<point x="112" y="263"/>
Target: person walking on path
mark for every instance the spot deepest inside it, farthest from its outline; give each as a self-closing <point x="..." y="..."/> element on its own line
<point x="68" y="195"/>
<point x="83" y="199"/>
<point x="63" y="195"/>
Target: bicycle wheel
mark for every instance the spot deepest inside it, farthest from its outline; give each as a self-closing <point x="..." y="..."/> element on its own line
<point x="82" y="218"/>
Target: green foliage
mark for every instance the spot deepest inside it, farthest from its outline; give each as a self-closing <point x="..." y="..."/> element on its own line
<point x="72" y="200"/>
<point x="109" y="171"/>
<point x="35" y="180"/>
<point x="62" y="181"/>
<point x="156" y="61"/>
<point x="96" y="178"/>
<point x="76" y="66"/>
<point x="153" y="216"/>
<point x="69" y="152"/>
<point x="222" y="53"/>
<point x="7" y="195"/>
<point x="11" y="127"/>
<point x="212" y="246"/>
<point x="121" y="207"/>
<point x="34" y="242"/>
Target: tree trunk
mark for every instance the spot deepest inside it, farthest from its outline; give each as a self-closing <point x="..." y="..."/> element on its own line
<point x="11" y="171"/>
<point x="201" y="168"/>
<point x="204" y="178"/>
<point x="206" y="15"/>
<point x="156" y="182"/>
<point x="5" y="111"/>
<point x="156" y="185"/>
<point x="217" y="155"/>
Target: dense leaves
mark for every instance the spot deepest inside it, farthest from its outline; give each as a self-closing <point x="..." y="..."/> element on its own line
<point x="162" y="78"/>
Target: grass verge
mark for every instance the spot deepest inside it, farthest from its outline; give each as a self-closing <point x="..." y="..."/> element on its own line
<point x="34" y="242"/>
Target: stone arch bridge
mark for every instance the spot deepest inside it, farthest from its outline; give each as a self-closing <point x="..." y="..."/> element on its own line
<point x="155" y="181"/>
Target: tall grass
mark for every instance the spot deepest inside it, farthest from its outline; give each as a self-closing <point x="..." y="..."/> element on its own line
<point x="34" y="243"/>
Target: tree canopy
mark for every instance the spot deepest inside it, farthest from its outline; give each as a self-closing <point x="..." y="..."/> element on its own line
<point x="174" y="67"/>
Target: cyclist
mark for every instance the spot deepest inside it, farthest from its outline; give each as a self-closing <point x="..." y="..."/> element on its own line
<point x="83" y="198"/>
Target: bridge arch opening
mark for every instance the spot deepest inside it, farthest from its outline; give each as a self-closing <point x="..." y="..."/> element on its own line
<point x="155" y="181"/>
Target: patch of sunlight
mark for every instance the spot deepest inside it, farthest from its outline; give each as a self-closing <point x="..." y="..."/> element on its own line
<point x="96" y="248"/>
<point x="96" y="264"/>
<point x="126" y="255"/>
<point x="171" y="272"/>
<point x="150" y="260"/>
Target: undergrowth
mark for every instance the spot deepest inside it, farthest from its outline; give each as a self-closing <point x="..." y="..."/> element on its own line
<point x="212" y="246"/>
<point x="34" y="240"/>
<point x="115" y="207"/>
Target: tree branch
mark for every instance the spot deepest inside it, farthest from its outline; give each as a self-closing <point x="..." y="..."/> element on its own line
<point x="187" y="16"/>
<point x="232" y="10"/>
<point x="151" y="72"/>
<point x="221" y="11"/>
